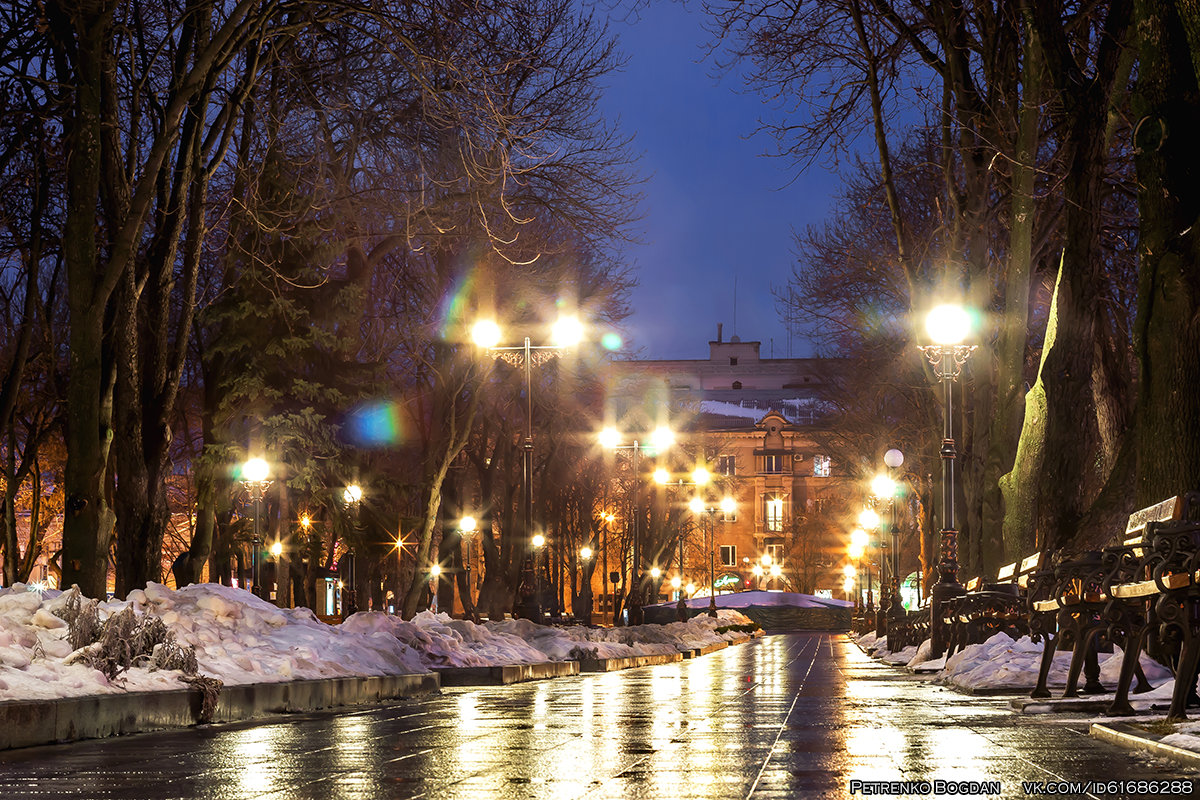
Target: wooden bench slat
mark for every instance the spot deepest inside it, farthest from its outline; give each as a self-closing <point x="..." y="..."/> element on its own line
<point x="1030" y="563"/>
<point x="1006" y="572"/>
<point x="1166" y="511"/>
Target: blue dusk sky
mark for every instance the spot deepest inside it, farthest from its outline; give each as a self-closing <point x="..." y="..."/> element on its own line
<point x="716" y="208"/>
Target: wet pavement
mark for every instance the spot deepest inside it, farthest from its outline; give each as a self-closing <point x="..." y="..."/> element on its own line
<point x="786" y="716"/>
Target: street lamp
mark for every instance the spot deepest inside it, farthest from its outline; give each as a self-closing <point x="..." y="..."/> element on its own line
<point x="660" y="440"/>
<point x="538" y="543"/>
<point x="566" y="332"/>
<point x="948" y="326"/>
<point x="466" y="527"/>
<point x="884" y="488"/>
<point x="859" y="541"/>
<point x="255" y="480"/>
<point x="352" y="496"/>
<point x="893" y="459"/>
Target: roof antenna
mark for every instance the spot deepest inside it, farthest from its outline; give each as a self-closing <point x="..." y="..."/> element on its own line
<point x="735" y="304"/>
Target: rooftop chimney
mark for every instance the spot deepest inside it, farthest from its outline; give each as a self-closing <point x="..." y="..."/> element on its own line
<point x="719" y="332"/>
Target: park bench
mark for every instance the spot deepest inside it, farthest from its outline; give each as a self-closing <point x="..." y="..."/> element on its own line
<point x="987" y="609"/>
<point x="1156" y="600"/>
<point x="1071" y="607"/>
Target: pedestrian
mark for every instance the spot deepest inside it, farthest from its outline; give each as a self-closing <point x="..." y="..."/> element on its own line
<point x="681" y="609"/>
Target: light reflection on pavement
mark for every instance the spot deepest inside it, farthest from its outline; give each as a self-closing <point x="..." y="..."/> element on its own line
<point x="788" y="716"/>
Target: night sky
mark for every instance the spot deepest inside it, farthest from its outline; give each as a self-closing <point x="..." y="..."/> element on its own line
<point x="715" y="207"/>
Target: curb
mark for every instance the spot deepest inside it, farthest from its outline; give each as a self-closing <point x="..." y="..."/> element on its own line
<point x="26" y="724"/>
<point x="627" y="662"/>
<point x="1064" y="705"/>
<point x="503" y="676"/>
<point x="1127" y="736"/>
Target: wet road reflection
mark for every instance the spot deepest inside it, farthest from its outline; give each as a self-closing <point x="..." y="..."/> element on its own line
<point x="797" y="715"/>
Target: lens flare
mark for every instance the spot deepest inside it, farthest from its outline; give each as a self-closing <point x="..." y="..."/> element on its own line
<point x="376" y="424"/>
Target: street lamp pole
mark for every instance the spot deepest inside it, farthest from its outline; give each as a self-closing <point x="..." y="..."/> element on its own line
<point x="948" y="327"/>
<point x="661" y="439"/>
<point x="486" y="334"/>
<point x="254" y="479"/>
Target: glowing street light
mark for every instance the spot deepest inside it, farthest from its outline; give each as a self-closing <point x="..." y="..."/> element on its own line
<point x="277" y="548"/>
<point x="256" y="482"/>
<point x="660" y="440"/>
<point x="486" y="334"/>
<point x="948" y="327"/>
<point x="585" y="553"/>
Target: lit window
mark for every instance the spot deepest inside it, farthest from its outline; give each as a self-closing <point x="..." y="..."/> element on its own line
<point x="773" y="513"/>
<point x="821" y="466"/>
<point x="728" y="555"/>
<point x="775" y="551"/>
<point x="726" y="466"/>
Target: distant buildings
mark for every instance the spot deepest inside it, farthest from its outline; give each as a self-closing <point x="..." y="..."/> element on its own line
<point x="754" y="419"/>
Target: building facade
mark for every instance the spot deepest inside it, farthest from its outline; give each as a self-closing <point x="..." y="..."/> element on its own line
<point x="754" y="423"/>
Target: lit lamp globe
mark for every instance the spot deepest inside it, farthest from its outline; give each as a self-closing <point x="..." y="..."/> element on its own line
<point x="435" y="570"/>
<point x="662" y="477"/>
<point x="893" y="458"/>
<point x="757" y="571"/>
<point x="585" y="553"/>
<point x="690" y="588"/>
<point x="655" y="572"/>
<point x="776" y="570"/>
<point x="848" y="571"/>
<point x="855" y="551"/>
<point x="567" y="332"/>
<point x="883" y="486"/>
<point x="676" y="582"/>
<point x="610" y="438"/>
<point x="662" y="438"/>
<point x="276" y="549"/>
<point x="539" y="540"/>
<point x="485" y="333"/>
<point x="728" y="505"/>
<point x="467" y="524"/>
<point x="353" y="493"/>
<point x="255" y="470"/>
<point x="858" y="538"/>
<point x="948" y="324"/>
<point x="868" y="519"/>
<point x="700" y="476"/>
<point x="696" y="504"/>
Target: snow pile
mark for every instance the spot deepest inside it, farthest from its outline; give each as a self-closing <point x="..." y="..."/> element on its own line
<point x="444" y="642"/>
<point x="1001" y="663"/>
<point x="240" y="639"/>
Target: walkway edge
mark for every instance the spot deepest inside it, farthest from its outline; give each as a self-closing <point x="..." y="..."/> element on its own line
<point x="68" y="719"/>
<point x="1126" y="735"/>
<point x="504" y="675"/>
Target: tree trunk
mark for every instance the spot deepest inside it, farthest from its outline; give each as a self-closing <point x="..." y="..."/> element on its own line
<point x="1167" y="113"/>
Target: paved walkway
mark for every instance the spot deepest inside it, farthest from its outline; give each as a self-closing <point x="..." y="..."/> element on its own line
<point x="788" y="716"/>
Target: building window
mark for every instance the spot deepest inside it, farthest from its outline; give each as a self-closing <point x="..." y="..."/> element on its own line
<point x="773" y="463"/>
<point x="737" y="384"/>
<point x="733" y="361"/>
<point x="730" y="517"/>
<point x="821" y="466"/>
<point x="728" y="555"/>
<point x="775" y="551"/>
<point x="726" y="466"/>
<point x="773" y="513"/>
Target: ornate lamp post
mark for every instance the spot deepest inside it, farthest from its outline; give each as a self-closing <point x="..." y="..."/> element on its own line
<point x="566" y="332"/>
<point x="660" y="440"/>
<point x="353" y="498"/>
<point x="858" y="546"/>
<point x="947" y="326"/>
<point x="869" y="521"/>
<point x="884" y="489"/>
<point x="467" y="527"/>
<point x="705" y="509"/>
<point x="538" y="543"/>
<point x="254" y="479"/>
